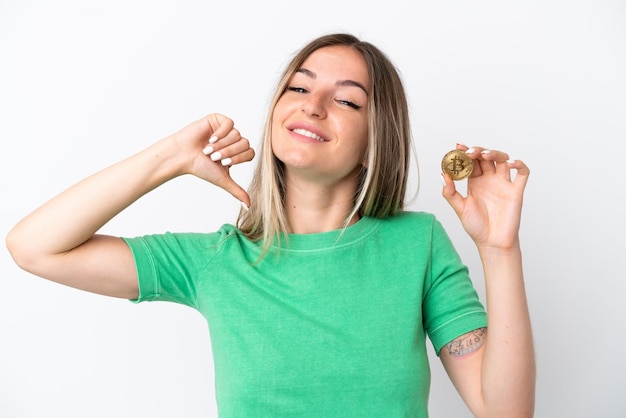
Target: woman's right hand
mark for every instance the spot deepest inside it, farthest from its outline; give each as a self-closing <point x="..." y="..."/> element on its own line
<point x="59" y="240"/>
<point x="213" y="145"/>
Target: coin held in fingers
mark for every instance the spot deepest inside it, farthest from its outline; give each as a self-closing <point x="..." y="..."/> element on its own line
<point x="457" y="164"/>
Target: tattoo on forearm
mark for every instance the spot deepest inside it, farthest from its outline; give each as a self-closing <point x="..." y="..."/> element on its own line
<point x="467" y="343"/>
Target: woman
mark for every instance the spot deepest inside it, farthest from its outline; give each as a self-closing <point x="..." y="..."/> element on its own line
<point x="319" y="301"/>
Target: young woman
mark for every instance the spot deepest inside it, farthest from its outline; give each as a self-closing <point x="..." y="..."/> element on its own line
<point x="319" y="300"/>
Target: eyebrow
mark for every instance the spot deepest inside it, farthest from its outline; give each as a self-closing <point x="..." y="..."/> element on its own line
<point x="352" y="83"/>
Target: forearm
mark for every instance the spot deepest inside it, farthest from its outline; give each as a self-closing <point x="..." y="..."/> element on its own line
<point x="508" y="368"/>
<point x="74" y="216"/>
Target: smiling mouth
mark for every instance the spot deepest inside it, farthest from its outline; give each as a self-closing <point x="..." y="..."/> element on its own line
<point x="308" y="134"/>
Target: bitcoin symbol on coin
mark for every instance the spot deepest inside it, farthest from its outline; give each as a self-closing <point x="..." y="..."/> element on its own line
<point x="457" y="164"/>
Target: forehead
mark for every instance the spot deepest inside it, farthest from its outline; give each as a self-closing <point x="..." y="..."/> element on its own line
<point x="337" y="62"/>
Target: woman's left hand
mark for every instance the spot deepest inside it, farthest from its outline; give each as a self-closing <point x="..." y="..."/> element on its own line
<point x="491" y="211"/>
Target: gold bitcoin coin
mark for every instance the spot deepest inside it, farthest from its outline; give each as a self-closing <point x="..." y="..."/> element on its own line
<point x="457" y="164"/>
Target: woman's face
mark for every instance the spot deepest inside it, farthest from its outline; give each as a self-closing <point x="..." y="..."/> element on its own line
<point x="320" y="123"/>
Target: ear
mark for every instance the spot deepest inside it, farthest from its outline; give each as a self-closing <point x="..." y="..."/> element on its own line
<point x="365" y="162"/>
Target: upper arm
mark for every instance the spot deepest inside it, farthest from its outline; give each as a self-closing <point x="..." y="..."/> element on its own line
<point x="102" y="264"/>
<point x="462" y="358"/>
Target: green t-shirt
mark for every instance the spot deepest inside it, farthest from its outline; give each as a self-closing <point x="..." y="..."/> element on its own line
<point x="332" y="325"/>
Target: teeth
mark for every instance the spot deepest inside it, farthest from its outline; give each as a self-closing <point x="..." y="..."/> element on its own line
<point x="308" y="134"/>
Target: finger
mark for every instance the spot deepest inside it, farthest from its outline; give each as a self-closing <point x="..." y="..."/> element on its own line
<point x="497" y="162"/>
<point x="523" y="172"/>
<point x="217" y="143"/>
<point x="236" y="191"/>
<point x="452" y="196"/>
<point x="481" y="159"/>
<point x="488" y="160"/>
<point x="220" y="125"/>
<point x="220" y="140"/>
<point x="501" y="160"/>
<point x="237" y="150"/>
<point x="238" y="158"/>
<point x="461" y="146"/>
<point x="493" y="155"/>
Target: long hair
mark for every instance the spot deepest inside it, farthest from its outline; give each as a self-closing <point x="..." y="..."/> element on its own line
<point x="382" y="181"/>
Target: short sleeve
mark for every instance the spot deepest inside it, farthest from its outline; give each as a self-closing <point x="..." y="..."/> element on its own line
<point x="451" y="306"/>
<point x="169" y="264"/>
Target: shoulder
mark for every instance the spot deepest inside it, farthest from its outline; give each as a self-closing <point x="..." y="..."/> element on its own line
<point x="411" y="217"/>
<point x="418" y="227"/>
<point x="186" y="241"/>
<point x="408" y="229"/>
<point x="411" y="222"/>
<point x="227" y="244"/>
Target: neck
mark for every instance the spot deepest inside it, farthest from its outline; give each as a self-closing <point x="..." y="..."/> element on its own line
<point x="313" y="208"/>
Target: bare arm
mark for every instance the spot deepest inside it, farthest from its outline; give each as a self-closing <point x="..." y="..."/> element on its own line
<point x="58" y="241"/>
<point x="494" y="371"/>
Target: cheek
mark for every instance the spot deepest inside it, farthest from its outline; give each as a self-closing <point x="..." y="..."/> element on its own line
<point x="284" y="106"/>
<point x="361" y="138"/>
<point x="276" y="113"/>
<point x="276" y="139"/>
<point x="364" y="145"/>
<point x="277" y="119"/>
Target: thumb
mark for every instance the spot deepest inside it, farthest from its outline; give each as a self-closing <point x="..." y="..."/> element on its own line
<point x="236" y="191"/>
<point x="452" y="196"/>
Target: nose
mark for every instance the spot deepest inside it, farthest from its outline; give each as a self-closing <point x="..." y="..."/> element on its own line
<point x="314" y="106"/>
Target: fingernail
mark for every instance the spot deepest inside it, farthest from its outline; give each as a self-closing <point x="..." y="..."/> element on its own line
<point x="470" y="150"/>
<point x="486" y="152"/>
<point x="461" y="144"/>
<point x="227" y="161"/>
<point x="244" y="206"/>
<point x="443" y="180"/>
<point x="207" y="150"/>
<point x="213" y="139"/>
<point x="216" y="156"/>
<point x="510" y="161"/>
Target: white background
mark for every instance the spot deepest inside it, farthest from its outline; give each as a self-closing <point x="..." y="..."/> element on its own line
<point x="84" y="84"/>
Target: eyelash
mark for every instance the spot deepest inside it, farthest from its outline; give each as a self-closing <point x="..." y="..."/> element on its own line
<point x="344" y="102"/>
<point x="352" y="105"/>
<point x="297" y="89"/>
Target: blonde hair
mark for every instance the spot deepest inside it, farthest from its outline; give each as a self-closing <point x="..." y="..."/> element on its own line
<point x="382" y="182"/>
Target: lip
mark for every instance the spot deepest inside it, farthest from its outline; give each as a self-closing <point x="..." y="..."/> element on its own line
<point x="309" y="129"/>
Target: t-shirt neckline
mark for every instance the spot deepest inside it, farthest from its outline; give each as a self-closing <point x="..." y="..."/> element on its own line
<point x="337" y="237"/>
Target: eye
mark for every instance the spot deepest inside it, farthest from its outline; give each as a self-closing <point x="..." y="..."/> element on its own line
<point x="297" y="89"/>
<point x="349" y="103"/>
